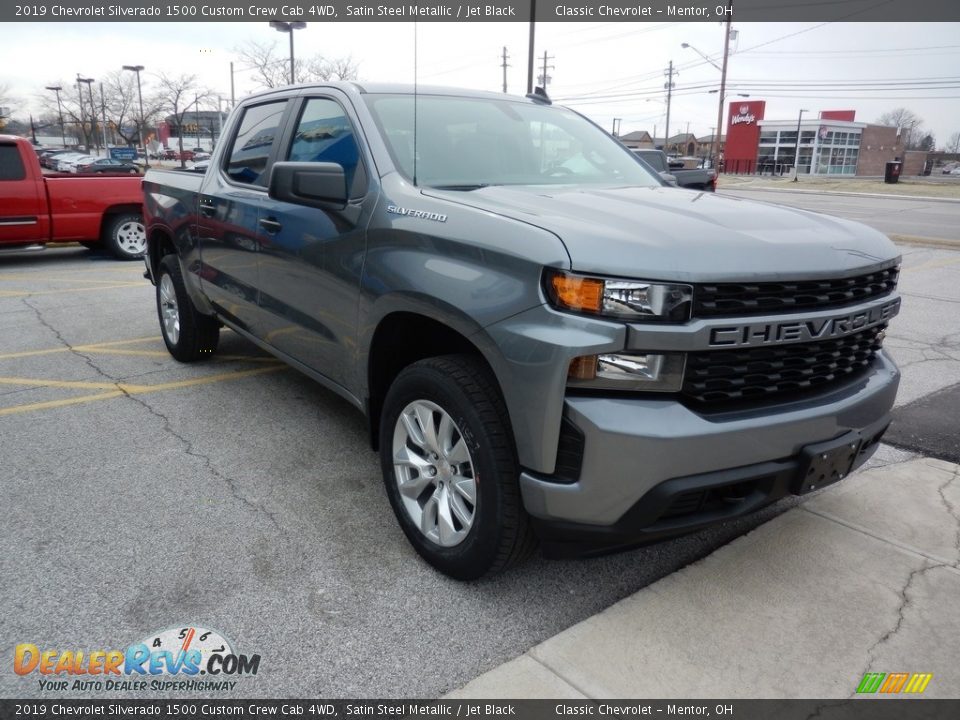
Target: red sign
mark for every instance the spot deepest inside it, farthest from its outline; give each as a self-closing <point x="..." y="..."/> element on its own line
<point x="743" y="135"/>
<point x="838" y="115"/>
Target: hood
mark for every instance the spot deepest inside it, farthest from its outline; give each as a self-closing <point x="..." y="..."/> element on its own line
<point x="683" y="235"/>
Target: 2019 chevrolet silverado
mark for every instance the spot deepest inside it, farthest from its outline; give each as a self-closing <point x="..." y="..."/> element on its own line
<point x="548" y="342"/>
<point x="36" y="209"/>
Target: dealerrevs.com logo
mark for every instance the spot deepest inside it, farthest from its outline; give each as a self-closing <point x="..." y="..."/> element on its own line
<point x="169" y="660"/>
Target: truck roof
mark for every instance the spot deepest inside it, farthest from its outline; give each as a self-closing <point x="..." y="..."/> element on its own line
<point x="352" y="87"/>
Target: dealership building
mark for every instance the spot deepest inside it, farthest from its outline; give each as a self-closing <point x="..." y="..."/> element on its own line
<point x="831" y="142"/>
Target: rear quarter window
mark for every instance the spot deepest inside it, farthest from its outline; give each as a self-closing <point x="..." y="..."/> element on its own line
<point x="11" y="166"/>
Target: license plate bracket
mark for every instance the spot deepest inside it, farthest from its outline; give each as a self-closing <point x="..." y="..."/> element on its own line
<point x="825" y="463"/>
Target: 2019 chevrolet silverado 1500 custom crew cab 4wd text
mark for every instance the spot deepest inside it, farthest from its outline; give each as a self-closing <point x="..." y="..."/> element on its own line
<point x="36" y="209"/>
<point x="549" y="343"/>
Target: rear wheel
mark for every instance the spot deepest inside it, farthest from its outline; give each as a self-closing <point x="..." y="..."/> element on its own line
<point x="189" y="335"/>
<point x="450" y="468"/>
<point x="126" y="237"/>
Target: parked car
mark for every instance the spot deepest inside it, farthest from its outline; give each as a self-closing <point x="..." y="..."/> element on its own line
<point x="63" y="163"/>
<point x="545" y="340"/>
<point x="39" y="209"/>
<point x="104" y="166"/>
<point x="49" y="160"/>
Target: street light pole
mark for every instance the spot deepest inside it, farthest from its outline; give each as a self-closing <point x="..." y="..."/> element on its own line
<point x="63" y="133"/>
<point x="796" y="153"/>
<point x="289" y="27"/>
<point x="143" y="145"/>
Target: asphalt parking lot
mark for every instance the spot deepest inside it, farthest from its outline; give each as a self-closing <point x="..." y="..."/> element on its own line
<point x="237" y="495"/>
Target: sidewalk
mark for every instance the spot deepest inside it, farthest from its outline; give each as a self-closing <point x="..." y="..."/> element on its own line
<point x="907" y="189"/>
<point x="862" y="577"/>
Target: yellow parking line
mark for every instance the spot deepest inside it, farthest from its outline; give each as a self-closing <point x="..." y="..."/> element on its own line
<point x="121" y="388"/>
<point x="42" y="278"/>
<point x="31" y="293"/>
<point x="81" y="348"/>
<point x="39" y="382"/>
<point x="132" y="268"/>
<point x="58" y="403"/>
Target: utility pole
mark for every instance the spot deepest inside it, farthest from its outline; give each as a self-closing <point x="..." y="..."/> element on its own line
<point x="544" y="78"/>
<point x="233" y="97"/>
<point x="723" y="86"/>
<point x="504" y="66"/>
<point x="669" y="72"/>
<point x="63" y="132"/>
<point x="615" y="130"/>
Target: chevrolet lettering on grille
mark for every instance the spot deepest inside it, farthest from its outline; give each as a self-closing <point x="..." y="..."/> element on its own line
<point x="802" y="330"/>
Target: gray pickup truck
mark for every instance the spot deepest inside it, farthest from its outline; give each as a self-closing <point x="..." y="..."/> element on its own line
<point x="549" y="343"/>
<point x="692" y="179"/>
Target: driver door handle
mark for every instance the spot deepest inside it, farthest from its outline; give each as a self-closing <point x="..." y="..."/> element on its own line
<point x="271" y="225"/>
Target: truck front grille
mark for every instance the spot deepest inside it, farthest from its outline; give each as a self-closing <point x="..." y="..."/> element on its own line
<point x="758" y="373"/>
<point x="772" y="298"/>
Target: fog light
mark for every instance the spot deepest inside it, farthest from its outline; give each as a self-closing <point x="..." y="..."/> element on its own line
<point x="646" y="372"/>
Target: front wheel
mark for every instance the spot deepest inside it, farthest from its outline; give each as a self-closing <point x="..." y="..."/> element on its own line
<point x="450" y="468"/>
<point x="189" y="335"/>
<point x="126" y="237"/>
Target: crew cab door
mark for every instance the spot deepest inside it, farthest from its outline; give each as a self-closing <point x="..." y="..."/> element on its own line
<point x="23" y="200"/>
<point x="231" y="201"/>
<point x="311" y="258"/>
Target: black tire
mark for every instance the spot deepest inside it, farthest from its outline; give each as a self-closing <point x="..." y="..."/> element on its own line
<point x="500" y="534"/>
<point x="194" y="336"/>
<point x="125" y="236"/>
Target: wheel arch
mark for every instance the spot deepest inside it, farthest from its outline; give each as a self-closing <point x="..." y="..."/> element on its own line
<point x="114" y="210"/>
<point x="402" y="338"/>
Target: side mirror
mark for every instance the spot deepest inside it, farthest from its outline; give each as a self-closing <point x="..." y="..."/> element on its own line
<point x="314" y="184"/>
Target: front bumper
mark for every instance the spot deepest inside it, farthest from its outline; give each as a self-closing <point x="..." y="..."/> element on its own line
<point x="652" y="468"/>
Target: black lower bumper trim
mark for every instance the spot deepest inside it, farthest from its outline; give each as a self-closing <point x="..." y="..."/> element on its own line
<point x="683" y="505"/>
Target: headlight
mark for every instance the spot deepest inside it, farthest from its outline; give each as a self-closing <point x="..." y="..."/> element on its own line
<point x="647" y="372"/>
<point x="631" y="300"/>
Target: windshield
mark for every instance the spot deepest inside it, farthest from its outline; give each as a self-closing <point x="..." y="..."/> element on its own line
<point x="465" y="143"/>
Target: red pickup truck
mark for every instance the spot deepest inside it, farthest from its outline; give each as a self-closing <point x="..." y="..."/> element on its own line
<point x="38" y="208"/>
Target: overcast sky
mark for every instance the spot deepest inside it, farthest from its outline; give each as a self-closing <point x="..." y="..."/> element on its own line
<point x="605" y="70"/>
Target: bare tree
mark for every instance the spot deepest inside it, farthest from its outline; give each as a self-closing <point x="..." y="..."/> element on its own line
<point x="271" y="69"/>
<point x="122" y="106"/>
<point x="953" y="144"/>
<point x="909" y="123"/>
<point x="5" y="101"/>
<point x="76" y="116"/>
<point x="178" y="94"/>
